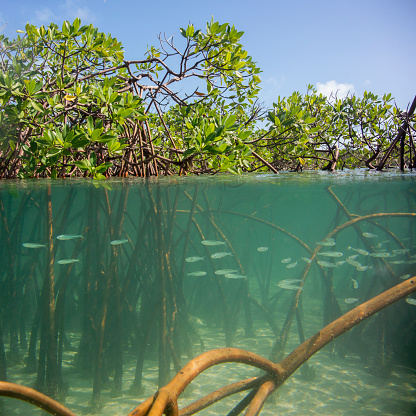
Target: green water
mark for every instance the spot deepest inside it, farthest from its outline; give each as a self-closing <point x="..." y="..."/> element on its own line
<point x="135" y="294"/>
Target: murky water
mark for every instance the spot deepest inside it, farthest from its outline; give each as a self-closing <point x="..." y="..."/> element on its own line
<point x="108" y="288"/>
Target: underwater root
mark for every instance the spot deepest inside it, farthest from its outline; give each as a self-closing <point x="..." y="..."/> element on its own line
<point x="165" y="401"/>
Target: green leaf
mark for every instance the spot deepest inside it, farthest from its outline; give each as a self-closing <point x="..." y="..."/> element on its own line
<point x="103" y="167"/>
<point x="36" y="106"/>
<point x="83" y="164"/>
<point x="96" y="133"/>
<point x="126" y="112"/>
<point x="106" y="138"/>
<point x="230" y="121"/>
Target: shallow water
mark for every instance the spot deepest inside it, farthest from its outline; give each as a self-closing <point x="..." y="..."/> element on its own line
<point x="130" y="249"/>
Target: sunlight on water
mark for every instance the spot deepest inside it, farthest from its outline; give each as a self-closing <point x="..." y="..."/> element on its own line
<point x="144" y="275"/>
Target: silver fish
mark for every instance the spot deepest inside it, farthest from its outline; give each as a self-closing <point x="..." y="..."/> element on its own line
<point x="369" y="235"/>
<point x="327" y="243"/>
<point x="262" y="249"/>
<point x="212" y="242"/>
<point x="197" y="273"/>
<point x="398" y="262"/>
<point x="235" y="276"/>
<point x="306" y="260"/>
<point x="326" y="263"/>
<point x="292" y="265"/>
<point x="224" y="271"/>
<point x="363" y="268"/>
<point x="340" y="262"/>
<point x="411" y="301"/>
<point x="288" y="260"/>
<point x="289" y="287"/>
<point x="68" y="261"/>
<point x="351" y="300"/>
<point x="361" y="251"/>
<point x="401" y="250"/>
<point x="194" y="259"/>
<point x="331" y="254"/>
<point x="353" y="262"/>
<point x="68" y="236"/>
<point x="381" y="255"/>
<point x="290" y="281"/>
<point x="355" y="284"/>
<point x="220" y="255"/>
<point x="405" y="276"/>
<point x="33" y="245"/>
<point x="118" y="242"/>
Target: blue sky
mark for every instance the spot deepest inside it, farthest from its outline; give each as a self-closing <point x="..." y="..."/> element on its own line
<point x="349" y="45"/>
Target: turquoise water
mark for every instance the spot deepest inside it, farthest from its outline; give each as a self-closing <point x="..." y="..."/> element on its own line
<point x="144" y="275"/>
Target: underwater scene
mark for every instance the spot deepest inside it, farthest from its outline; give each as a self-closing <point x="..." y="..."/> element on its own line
<point x="109" y="288"/>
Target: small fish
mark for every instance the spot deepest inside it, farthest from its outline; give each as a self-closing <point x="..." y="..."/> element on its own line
<point x="353" y="257"/>
<point x="235" y="276"/>
<point x="262" y="249"/>
<point x="220" y="255"/>
<point x="411" y="301"/>
<point x="361" y="251"/>
<point x="340" y="262"/>
<point x="351" y="300"/>
<point x="33" y="245"/>
<point x="288" y="260"/>
<point x="353" y="262"/>
<point x="401" y="250"/>
<point x="290" y="281"/>
<point x="118" y="242"/>
<point x="326" y="263"/>
<point x="198" y="273"/>
<point x="355" y="284"/>
<point x="292" y="265"/>
<point x="379" y="245"/>
<point x="224" y="271"/>
<point x="331" y="254"/>
<point x="68" y="236"/>
<point x="363" y="268"/>
<point x="398" y="262"/>
<point x="327" y="243"/>
<point x="306" y="260"/>
<point x="288" y="287"/>
<point x="381" y="255"/>
<point x="369" y="235"/>
<point x="68" y="261"/>
<point x="405" y="276"/>
<point x="194" y="259"/>
<point x="212" y="242"/>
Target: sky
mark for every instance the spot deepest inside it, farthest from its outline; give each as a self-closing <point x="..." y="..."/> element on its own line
<point x="348" y="46"/>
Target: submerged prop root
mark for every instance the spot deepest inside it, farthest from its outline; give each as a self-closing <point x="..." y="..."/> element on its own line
<point x="166" y="399"/>
<point x="31" y="396"/>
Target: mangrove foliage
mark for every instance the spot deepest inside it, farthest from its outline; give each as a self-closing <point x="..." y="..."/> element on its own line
<point x="72" y="105"/>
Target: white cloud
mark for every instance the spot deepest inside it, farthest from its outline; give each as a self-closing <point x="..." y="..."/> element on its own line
<point x="73" y="10"/>
<point x="67" y="10"/>
<point x="335" y="89"/>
